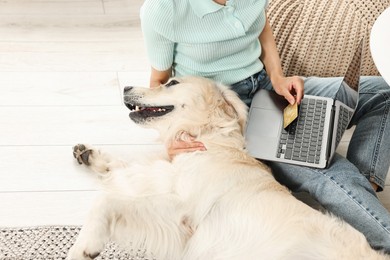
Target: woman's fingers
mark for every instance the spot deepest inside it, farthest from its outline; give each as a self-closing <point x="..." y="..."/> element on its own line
<point x="291" y="88"/>
<point x="178" y="147"/>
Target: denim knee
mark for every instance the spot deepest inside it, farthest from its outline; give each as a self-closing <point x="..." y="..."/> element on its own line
<point x="369" y="147"/>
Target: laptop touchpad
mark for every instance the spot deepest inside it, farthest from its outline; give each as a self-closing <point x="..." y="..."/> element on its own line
<point x="263" y="122"/>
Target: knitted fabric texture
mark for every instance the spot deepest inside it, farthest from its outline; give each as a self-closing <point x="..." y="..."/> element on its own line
<point x="319" y="38"/>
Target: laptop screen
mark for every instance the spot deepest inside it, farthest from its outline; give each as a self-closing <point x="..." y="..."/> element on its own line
<point x="348" y="91"/>
<point x="347" y="95"/>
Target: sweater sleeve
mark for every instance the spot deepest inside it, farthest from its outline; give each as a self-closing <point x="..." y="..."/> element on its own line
<point x="157" y="29"/>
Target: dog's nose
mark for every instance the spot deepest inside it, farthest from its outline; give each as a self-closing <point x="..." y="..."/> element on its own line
<point x="126" y="89"/>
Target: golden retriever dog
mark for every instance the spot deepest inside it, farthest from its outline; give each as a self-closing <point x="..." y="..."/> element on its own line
<point x="214" y="204"/>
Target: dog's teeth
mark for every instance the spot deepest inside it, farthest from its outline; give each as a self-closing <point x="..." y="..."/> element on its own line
<point x="136" y="108"/>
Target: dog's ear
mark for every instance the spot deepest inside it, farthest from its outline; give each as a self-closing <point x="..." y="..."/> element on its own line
<point x="234" y="103"/>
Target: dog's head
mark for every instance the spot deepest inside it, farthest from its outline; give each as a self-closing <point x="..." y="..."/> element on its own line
<point x="191" y="104"/>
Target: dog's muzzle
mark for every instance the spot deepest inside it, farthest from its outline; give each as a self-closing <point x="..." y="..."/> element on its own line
<point x="139" y="111"/>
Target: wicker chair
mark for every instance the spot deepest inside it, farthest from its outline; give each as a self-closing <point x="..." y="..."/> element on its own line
<point x="319" y="37"/>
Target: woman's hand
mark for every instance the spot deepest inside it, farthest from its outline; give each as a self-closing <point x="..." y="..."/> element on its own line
<point x="184" y="143"/>
<point x="159" y="77"/>
<point x="291" y="88"/>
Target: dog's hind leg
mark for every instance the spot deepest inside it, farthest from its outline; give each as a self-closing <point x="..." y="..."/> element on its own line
<point x="94" y="234"/>
<point x="96" y="160"/>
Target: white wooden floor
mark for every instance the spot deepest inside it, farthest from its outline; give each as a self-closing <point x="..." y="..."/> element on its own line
<point x="63" y="65"/>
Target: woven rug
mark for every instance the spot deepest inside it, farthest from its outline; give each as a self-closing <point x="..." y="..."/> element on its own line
<point x="52" y="243"/>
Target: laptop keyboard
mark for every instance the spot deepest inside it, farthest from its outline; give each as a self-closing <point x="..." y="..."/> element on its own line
<point x="302" y="139"/>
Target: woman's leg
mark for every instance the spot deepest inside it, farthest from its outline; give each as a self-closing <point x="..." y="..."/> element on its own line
<point x="343" y="188"/>
<point x="369" y="148"/>
<point x="343" y="191"/>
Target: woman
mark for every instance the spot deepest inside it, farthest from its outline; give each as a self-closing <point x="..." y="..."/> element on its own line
<point x="232" y="42"/>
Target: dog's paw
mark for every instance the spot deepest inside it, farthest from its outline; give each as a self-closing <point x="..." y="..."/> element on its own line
<point x="84" y="256"/>
<point x="75" y="254"/>
<point x="91" y="255"/>
<point x="82" y="153"/>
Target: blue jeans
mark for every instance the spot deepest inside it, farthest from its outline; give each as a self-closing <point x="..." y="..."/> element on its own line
<point x="344" y="187"/>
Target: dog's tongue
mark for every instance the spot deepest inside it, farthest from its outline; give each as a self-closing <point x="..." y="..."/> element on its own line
<point x="151" y="108"/>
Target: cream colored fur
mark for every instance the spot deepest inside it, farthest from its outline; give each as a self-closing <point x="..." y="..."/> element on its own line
<point x="215" y="204"/>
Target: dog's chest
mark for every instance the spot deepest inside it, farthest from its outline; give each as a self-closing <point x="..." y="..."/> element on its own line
<point x="197" y="175"/>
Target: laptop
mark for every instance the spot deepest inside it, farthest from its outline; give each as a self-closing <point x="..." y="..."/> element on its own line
<point x="312" y="138"/>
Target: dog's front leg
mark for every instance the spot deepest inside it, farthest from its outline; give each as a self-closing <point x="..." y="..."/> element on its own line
<point x="136" y="179"/>
<point x="96" y="160"/>
<point x="94" y="234"/>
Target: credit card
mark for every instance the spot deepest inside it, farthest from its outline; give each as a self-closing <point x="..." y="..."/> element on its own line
<point x="290" y="113"/>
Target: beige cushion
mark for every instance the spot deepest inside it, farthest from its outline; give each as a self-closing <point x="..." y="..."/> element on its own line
<point x="319" y="37"/>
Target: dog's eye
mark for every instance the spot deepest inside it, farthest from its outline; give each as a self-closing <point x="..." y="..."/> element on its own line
<point x="171" y="83"/>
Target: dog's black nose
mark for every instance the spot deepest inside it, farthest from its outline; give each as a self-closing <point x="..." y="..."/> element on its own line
<point x="127" y="89"/>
